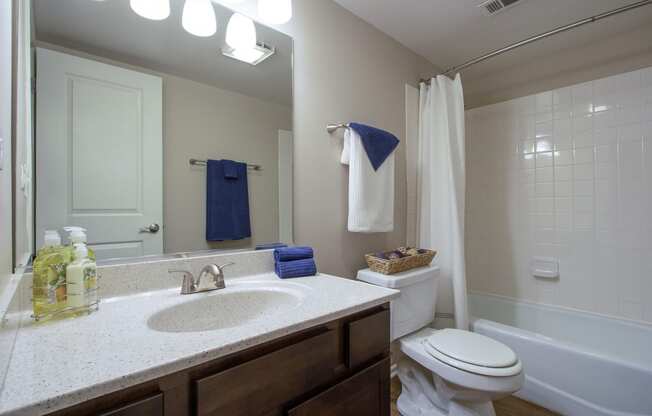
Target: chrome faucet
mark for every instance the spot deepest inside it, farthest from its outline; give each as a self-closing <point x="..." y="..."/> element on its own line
<point x="190" y="285"/>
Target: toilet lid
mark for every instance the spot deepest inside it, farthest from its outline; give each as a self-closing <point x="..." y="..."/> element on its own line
<point x="472" y="352"/>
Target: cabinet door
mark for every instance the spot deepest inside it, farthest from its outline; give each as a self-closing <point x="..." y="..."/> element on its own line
<point x="368" y="337"/>
<point x="151" y="406"/>
<point x="364" y="394"/>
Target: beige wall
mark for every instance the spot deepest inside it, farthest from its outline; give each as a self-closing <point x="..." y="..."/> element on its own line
<point x="627" y="51"/>
<point x="7" y="335"/>
<point x="22" y="146"/>
<point x="5" y="133"/>
<point x="206" y="122"/>
<point x="344" y="70"/>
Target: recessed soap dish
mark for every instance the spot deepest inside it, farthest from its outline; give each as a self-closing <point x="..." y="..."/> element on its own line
<point x="544" y="268"/>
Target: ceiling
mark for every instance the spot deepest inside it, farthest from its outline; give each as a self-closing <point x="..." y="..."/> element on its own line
<point x="112" y="30"/>
<point x="451" y="32"/>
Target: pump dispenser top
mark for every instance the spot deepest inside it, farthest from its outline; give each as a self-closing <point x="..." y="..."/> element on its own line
<point x="52" y="238"/>
<point x="76" y="234"/>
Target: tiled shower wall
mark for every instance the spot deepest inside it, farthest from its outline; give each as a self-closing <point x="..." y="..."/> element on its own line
<point x="565" y="174"/>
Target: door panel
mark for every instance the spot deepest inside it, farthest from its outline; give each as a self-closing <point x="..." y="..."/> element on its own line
<point x="99" y="153"/>
<point x="106" y="147"/>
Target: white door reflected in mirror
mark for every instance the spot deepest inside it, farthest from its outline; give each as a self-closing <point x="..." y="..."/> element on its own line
<point x="99" y="157"/>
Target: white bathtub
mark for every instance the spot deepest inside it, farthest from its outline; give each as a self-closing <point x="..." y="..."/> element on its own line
<point x="576" y="363"/>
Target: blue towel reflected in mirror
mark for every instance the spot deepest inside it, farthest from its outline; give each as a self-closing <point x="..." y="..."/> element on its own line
<point x="227" y="201"/>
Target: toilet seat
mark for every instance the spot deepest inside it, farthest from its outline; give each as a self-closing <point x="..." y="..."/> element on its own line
<point x="472" y="352"/>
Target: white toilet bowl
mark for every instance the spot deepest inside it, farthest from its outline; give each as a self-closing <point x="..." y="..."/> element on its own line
<point x="445" y="372"/>
<point x="434" y="387"/>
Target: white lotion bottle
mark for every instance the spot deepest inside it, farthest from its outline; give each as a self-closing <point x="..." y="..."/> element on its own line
<point x="75" y="277"/>
<point x="79" y="271"/>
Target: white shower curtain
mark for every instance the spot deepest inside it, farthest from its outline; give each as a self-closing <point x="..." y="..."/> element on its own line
<point x="441" y="187"/>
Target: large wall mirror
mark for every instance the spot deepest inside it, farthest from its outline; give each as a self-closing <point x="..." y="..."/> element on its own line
<point x="154" y="139"/>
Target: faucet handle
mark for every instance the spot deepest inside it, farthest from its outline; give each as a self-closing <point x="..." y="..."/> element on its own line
<point x="188" y="286"/>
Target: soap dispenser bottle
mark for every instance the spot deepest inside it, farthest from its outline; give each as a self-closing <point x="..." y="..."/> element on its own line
<point x="49" y="277"/>
<point x="81" y="276"/>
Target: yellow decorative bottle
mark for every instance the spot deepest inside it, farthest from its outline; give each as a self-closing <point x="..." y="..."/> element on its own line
<point x="49" y="277"/>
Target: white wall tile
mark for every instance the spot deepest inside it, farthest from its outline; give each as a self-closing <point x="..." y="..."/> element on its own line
<point x="544" y="159"/>
<point x="584" y="155"/>
<point x="566" y="174"/>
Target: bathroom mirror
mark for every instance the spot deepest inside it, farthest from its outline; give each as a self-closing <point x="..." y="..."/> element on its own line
<point x="131" y="100"/>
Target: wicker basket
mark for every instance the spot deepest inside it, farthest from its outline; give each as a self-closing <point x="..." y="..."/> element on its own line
<point x="393" y="266"/>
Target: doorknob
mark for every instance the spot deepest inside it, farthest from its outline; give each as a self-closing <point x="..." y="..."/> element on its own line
<point x="152" y="228"/>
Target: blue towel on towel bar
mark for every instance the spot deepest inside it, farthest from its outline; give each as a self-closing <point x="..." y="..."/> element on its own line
<point x="227" y="201"/>
<point x="292" y="253"/>
<point x="296" y="268"/>
<point x="378" y="144"/>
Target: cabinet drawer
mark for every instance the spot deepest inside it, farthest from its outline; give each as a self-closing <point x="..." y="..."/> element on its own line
<point x="151" y="406"/>
<point x="364" y="394"/>
<point x="368" y="338"/>
<point x="257" y="386"/>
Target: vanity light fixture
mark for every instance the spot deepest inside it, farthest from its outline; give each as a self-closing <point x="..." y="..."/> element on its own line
<point x="241" y="32"/>
<point x="275" y="12"/>
<point x="151" y="9"/>
<point x="252" y="56"/>
<point x="199" y="18"/>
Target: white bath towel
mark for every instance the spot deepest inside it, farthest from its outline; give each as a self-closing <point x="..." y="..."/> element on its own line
<point x="371" y="192"/>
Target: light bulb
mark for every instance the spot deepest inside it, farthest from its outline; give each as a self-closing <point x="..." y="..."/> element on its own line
<point x="199" y="18"/>
<point x="151" y="9"/>
<point x="275" y="12"/>
<point x="241" y="32"/>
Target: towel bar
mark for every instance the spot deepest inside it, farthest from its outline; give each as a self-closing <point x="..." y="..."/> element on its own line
<point x="198" y="162"/>
<point x="331" y="128"/>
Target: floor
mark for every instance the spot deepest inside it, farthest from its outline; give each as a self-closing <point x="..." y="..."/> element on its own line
<point x="509" y="406"/>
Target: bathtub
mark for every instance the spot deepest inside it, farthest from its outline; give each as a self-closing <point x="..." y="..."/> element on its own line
<point x="576" y="363"/>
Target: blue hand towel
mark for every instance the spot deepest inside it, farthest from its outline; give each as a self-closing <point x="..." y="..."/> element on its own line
<point x="378" y="144"/>
<point x="292" y="253"/>
<point x="227" y="202"/>
<point x="269" y="246"/>
<point x="296" y="268"/>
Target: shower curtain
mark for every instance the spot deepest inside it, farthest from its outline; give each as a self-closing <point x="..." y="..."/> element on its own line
<point x="441" y="187"/>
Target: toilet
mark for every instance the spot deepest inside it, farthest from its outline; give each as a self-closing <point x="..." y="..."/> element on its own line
<point x="447" y="372"/>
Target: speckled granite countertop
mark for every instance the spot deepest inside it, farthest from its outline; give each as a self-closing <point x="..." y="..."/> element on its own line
<point x="64" y="363"/>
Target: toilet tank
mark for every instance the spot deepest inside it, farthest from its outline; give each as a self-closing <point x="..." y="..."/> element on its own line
<point x="415" y="307"/>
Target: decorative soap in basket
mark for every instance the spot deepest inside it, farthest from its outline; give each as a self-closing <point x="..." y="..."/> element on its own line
<point x="399" y="260"/>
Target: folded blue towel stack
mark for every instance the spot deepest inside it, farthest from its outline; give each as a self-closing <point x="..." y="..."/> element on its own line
<point x="294" y="262"/>
<point x="293" y="253"/>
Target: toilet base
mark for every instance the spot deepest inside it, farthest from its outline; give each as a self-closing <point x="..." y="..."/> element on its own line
<point x="426" y="394"/>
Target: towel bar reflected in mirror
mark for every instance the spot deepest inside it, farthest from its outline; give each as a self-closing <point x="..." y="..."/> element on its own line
<point x="198" y="162"/>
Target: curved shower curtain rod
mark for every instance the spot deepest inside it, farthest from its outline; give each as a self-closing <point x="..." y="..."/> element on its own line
<point x="560" y="29"/>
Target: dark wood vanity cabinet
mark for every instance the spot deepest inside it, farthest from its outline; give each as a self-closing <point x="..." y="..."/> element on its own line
<point x="339" y="368"/>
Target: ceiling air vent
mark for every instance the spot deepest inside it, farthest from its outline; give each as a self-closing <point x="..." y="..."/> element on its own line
<point x="492" y="7"/>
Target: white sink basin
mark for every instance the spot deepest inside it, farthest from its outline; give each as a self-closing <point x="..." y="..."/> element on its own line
<point x="231" y="307"/>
